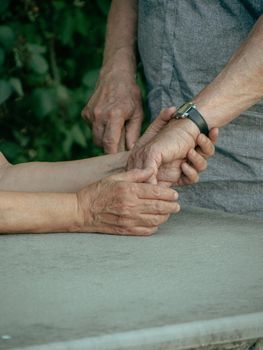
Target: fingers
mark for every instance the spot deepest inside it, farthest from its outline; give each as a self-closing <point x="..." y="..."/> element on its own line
<point x="122" y="143"/>
<point x="165" y="115"/>
<point x="86" y="115"/>
<point x="145" y="220"/>
<point x="152" y="160"/>
<point x="189" y="176"/>
<point x="213" y="135"/>
<point x="146" y="159"/>
<point x="112" y="134"/>
<point x="198" y="158"/>
<point x="133" y="129"/>
<point x="170" y="172"/>
<point x="132" y="231"/>
<point x="205" y="145"/>
<point x="95" y="121"/>
<point x="134" y="175"/>
<point x="198" y="162"/>
<point x="157" y="207"/>
<point x="156" y="126"/>
<point x="149" y="191"/>
<point x="98" y="132"/>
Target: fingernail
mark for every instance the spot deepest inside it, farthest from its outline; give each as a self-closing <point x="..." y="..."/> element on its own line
<point x="175" y="195"/>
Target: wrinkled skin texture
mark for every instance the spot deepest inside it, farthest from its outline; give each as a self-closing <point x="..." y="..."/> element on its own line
<point x="176" y="157"/>
<point x="113" y="109"/>
<point x="122" y="204"/>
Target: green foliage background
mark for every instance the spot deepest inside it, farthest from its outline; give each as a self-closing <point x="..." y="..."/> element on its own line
<point x="50" y="55"/>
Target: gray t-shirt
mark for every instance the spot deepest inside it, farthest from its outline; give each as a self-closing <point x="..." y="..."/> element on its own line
<point x="183" y="45"/>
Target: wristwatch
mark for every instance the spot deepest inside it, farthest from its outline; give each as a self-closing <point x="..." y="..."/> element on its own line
<point x="189" y="110"/>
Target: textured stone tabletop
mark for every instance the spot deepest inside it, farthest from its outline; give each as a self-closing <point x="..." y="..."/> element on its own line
<point x="197" y="282"/>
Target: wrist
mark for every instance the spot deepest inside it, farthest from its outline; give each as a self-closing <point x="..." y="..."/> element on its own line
<point x="205" y="109"/>
<point x="187" y="126"/>
<point x="122" y="61"/>
<point x="118" y="162"/>
<point x="84" y="214"/>
<point x="75" y="215"/>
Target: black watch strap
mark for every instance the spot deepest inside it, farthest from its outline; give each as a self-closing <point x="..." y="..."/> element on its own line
<point x="189" y="110"/>
<point x="198" y="119"/>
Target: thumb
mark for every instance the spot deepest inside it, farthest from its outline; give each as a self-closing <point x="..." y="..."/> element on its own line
<point x="133" y="131"/>
<point x="135" y="175"/>
<point x="163" y="118"/>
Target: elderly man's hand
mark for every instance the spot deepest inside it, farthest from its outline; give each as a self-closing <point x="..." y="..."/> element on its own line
<point x="122" y="204"/>
<point x="115" y="109"/>
<point x="179" y="171"/>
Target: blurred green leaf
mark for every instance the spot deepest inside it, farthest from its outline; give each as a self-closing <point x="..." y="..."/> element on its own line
<point x="7" y="37"/>
<point x="62" y="94"/>
<point x="4" y="5"/>
<point x="67" y="143"/>
<point x="11" y="150"/>
<point x="81" y="22"/>
<point x="67" y="29"/>
<point x="90" y="78"/>
<point x="38" y="64"/>
<point x="78" y="136"/>
<point x="58" y="4"/>
<point x="2" y="56"/>
<point x="104" y="6"/>
<point x="5" y="90"/>
<point x="21" y="138"/>
<point x="34" y="48"/>
<point x="17" y="86"/>
<point x="43" y="102"/>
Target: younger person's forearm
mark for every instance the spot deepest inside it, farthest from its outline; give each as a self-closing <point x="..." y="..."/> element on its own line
<point x="68" y="176"/>
<point x="238" y="86"/>
<point x="121" y="36"/>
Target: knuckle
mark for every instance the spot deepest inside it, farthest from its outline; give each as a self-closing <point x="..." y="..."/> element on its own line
<point x="119" y="230"/>
<point x="116" y="112"/>
<point x="97" y="111"/>
<point x="156" y="191"/>
<point x="108" y="141"/>
<point x="158" y="208"/>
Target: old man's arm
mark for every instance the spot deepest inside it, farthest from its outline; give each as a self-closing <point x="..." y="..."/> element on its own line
<point x="115" y="108"/>
<point x="235" y="89"/>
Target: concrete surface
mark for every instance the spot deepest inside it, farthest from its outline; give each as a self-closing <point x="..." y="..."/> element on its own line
<point x="197" y="282"/>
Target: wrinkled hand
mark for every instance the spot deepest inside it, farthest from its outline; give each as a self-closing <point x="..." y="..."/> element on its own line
<point x="115" y="108"/>
<point x="122" y="204"/>
<point x="181" y="170"/>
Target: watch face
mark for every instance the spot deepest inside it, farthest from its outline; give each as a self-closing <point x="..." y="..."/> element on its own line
<point x="183" y="110"/>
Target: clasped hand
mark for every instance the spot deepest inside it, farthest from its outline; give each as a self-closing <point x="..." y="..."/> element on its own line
<point x="174" y="149"/>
